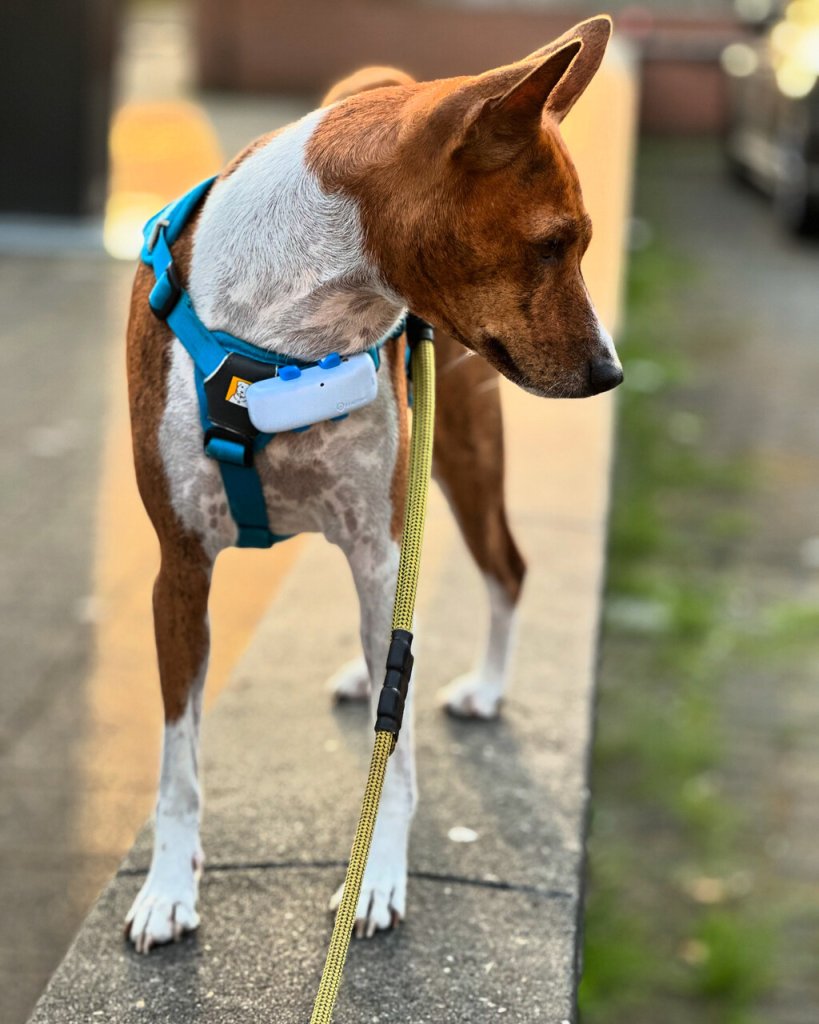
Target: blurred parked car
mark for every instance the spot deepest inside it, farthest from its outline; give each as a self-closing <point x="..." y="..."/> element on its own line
<point x="773" y="135"/>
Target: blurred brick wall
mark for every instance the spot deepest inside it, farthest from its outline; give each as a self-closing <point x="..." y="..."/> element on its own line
<point x="683" y="90"/>
<point x="303" y="47"/>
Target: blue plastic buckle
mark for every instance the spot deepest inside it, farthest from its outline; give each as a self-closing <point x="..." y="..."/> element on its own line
<point x="226" y="447"/>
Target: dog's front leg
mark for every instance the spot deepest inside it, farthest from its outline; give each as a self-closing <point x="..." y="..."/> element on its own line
<point x="166" y="905"/>
<point x="383" y="894"/>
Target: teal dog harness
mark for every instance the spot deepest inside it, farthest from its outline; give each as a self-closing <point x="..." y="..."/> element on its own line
<point x="223" y="365"/>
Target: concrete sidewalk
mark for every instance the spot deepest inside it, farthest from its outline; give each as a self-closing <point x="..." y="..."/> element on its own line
<point x="493" y="925"/>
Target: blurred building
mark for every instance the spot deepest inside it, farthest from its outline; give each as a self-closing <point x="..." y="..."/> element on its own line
<point x="58" y="58"/>
<point x="304" y="47"/>
<point x="56" y="85"/>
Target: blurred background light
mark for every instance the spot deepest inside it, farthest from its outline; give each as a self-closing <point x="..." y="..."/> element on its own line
<point x="754" y="10"/>
<point x="739" y="60"/>
<point x="158" y="150"/>
<point x="795" y="80"/>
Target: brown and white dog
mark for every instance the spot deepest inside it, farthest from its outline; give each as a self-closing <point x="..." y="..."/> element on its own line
<point x="456" y="198"/>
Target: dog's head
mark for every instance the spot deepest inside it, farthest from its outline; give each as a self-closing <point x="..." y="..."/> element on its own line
<point x="472" y="208"/>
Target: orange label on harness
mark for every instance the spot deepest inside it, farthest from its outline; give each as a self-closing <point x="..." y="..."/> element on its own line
<point x="237" y="391"/>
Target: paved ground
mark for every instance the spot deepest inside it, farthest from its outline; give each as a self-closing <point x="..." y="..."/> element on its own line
<point x="53" y="420"/>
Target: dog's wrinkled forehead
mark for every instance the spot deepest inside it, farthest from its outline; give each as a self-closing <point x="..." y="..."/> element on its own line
<point x="539" y="178"/>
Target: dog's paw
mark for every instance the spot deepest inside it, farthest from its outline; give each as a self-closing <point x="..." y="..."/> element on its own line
<point x="164" y="909"/>
<point x="351" y="682"/>
<point x="382" y="903"/>
<point x="470" y="696"/>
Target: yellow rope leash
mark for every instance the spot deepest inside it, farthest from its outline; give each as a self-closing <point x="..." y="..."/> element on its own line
<point x="399" y="660"/>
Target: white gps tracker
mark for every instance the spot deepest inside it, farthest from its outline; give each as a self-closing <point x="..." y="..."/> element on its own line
<point x="301" y="397"/>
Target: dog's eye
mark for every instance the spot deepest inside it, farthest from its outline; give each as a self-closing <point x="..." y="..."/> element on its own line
<point x="550" y="250"/>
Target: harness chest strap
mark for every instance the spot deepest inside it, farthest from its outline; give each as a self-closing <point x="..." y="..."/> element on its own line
<point x="220" y="361"/>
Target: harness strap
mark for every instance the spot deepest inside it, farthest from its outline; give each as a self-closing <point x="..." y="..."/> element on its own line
<point x="171" y="303"/>
<point x="174" y="216"/>
<point x="241" y="480"/>
<point x="207" y="353"/>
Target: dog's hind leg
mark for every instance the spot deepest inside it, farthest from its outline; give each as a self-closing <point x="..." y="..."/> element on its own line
<point x="383" y="894"/>
<point x="468" y="464"/>
<point x="166" y="904"/>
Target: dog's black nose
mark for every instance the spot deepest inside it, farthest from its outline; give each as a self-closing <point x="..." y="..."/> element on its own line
<point x="604" y="375"/>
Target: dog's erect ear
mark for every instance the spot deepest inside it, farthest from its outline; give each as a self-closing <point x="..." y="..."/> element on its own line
<point x="594" y="34"/>
<point x="498" y="126"/>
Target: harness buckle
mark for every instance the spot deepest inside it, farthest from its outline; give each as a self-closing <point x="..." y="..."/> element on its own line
<point x="154" y="235"/>
<point x="227" y="446"/>
<point x="165" y="293"/>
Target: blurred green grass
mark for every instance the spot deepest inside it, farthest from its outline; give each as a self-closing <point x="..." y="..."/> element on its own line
<point x="671" y="933"/>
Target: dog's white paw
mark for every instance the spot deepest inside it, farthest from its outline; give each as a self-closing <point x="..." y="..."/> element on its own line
<point x="383" y="900"/>
<point x="351" y="682"/>
<point x="472" y="696"/>
<point x="165" y="908"/>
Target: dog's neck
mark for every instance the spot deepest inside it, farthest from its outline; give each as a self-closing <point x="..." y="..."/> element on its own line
<point x="281" y="264"/>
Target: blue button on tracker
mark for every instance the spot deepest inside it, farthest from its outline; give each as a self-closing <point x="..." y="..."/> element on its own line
<point x="289" y="372"/>
<point x="329" y="361"/>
